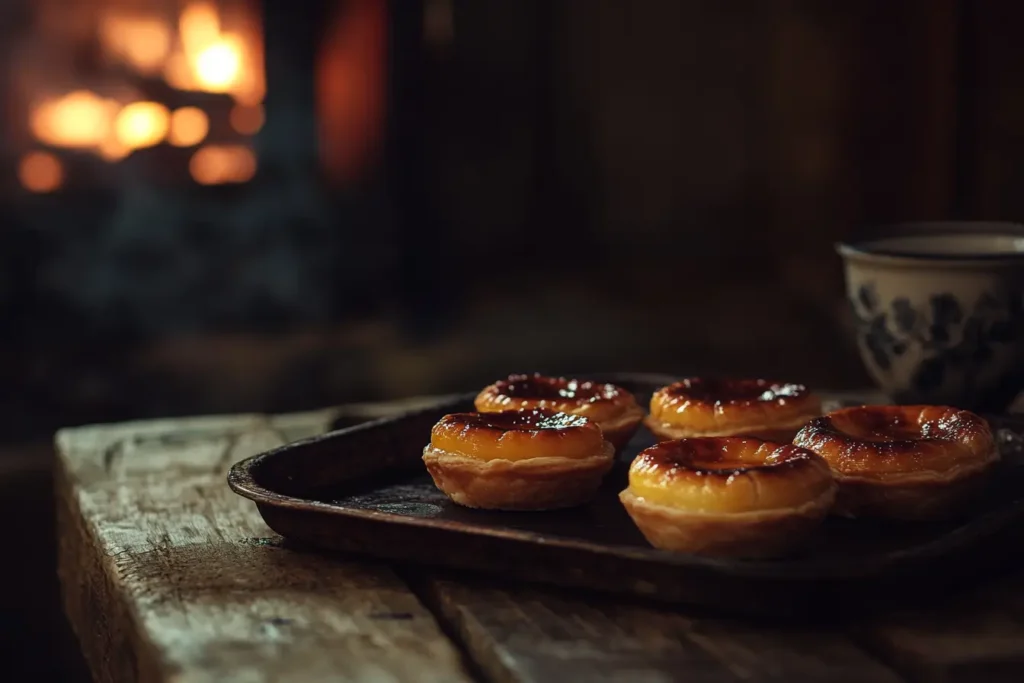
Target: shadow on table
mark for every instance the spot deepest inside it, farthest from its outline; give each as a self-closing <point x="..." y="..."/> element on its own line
<point x="36" y="643"/>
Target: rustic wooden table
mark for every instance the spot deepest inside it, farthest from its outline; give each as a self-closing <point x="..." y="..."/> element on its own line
<point x="168" y="576"/>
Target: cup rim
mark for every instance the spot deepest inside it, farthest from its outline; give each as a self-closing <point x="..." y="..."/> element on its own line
<point x="873" y="249"/>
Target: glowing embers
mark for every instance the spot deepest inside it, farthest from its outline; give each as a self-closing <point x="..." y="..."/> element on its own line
<point x="203" y="49"/>
<point x="140" y="41"/>
<point x="78" y="120"/>
<point x="212" y="59"/>
<point x="142" y="124"/>
<point x="40" y="172"/>
<point x="247" y="119"/>
<point x="222" y="164"/>
<point x="189" y="126"/>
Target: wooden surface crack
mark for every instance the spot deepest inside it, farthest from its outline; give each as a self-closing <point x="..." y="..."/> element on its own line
<point x="173" y="577"/>
<point x="169" y="576"/>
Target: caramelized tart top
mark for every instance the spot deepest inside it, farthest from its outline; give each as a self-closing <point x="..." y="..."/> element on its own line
<point x="729" y="475"/>
<point x="595" y="400"/>
<point x="897" y="440"/>
<point x="517" y="435"/>
<point x="712" y="405"/>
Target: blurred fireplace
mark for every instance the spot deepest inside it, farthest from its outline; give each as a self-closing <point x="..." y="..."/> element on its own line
<point x="178" y="168"/>
<point x="157" y="156"/>
<point x="94" y="82"/>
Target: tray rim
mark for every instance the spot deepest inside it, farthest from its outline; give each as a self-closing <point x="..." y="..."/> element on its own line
<point x="242" y="481"/>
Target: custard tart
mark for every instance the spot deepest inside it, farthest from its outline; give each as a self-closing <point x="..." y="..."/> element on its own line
<point x="698" y="407"/>
<point x="614" y="409"/>
<point x="728" y="496"/>
<point x="518" y="460"/>
<point x="903" y="462"/>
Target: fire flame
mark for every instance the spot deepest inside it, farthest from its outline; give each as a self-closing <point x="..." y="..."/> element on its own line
<point x="191" y="52"/>
<point x="142" y="124"/>
<point x="212" y="60"/>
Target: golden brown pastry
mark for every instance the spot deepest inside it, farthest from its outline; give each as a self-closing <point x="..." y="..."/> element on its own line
<point x="698" y="407"/>
<point x="518" y="460"/>
<point x="729" y="496"/>
<point x="903" y="462"/>
<point x="613" y="408"/>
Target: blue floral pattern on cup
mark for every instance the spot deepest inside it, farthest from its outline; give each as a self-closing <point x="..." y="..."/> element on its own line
<point x="952" y="336"/>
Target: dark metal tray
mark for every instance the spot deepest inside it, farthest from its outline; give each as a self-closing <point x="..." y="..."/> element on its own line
<point x="364" y="490"/>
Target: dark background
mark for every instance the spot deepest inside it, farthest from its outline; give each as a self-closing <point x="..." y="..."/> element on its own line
<point x="562" y="186"/>
<point x="450" y="191"/>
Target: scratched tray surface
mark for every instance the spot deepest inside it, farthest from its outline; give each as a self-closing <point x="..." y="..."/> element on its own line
<point x="364" y="489"/>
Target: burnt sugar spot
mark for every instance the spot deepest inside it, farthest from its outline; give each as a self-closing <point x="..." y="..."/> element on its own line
<point x="540" y="387"/>
<point x="720" y="391"/>
<point x="718" y="455"/>
<point x="515" y="420"/>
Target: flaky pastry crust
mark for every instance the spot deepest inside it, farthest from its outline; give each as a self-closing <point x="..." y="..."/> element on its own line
<point x="697" y="407"/>
<point x="903" y="462"/>
<point x="735" y="496"/>
<point x="533" y="484"/>
<point x="518" y="460"/>
<point x="753" y="535"/>
<point x="614" y="409"/>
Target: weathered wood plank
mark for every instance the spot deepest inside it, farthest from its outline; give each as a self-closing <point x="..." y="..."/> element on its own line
<point x="523" y="635"/>
<point x="978" y="636"/>
<point x="167" y="575"/>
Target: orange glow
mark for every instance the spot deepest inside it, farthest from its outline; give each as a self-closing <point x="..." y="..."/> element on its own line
<point x="177" y="72"/>
<point x="40" y="172"/>
<point x="350" y="87"/>
<point x="199" y="26"/>
<point x="200" y="48"/>
<point x="80" y="120"/>
<point x="189" y="126"/>
<point x="213" y="60"/>
<point x="219" y="65"/>
<point x="113" y="149"/>
<point x="142" y="42"/>
<point x="141" y="124"/>
<point x="246" y="119"/>
<point x="220" y="164"/>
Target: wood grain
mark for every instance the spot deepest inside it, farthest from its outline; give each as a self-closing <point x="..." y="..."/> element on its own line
<point x="977" y="636"/>
<point x="169" y="576"/>
<point x="520" y="635"/>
